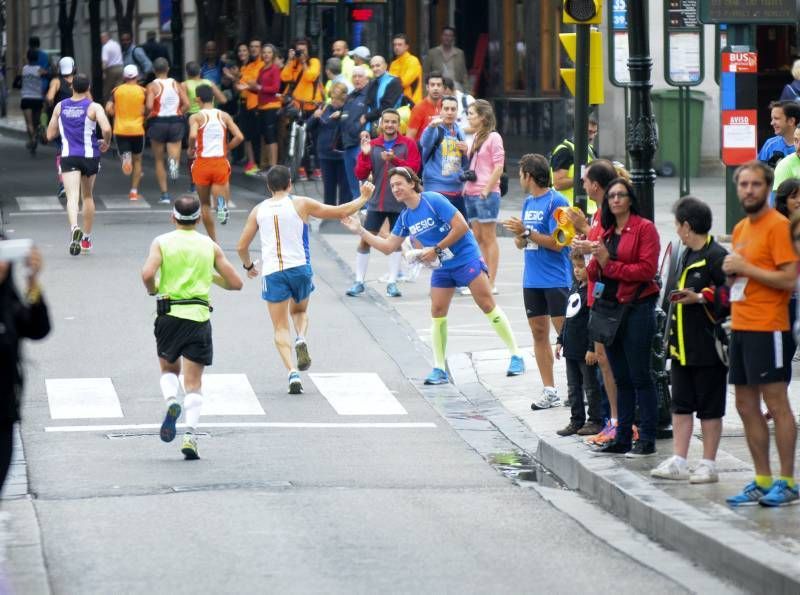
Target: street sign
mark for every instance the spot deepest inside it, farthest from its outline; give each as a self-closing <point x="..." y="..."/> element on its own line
<point x="618" y="73"/>
<point x="748" y="12"/>
<point x="739" y="138"/>
<point x="683" y="44"/>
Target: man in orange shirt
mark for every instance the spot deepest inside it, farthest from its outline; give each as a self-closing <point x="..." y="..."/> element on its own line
<point x="302" y="77"/>
<point x="429" y="107"/>
<point x="407" y="68"/>
<point x="126" y="104"/>
<point x="762" y="270"/>
<point x="248" y="119"/>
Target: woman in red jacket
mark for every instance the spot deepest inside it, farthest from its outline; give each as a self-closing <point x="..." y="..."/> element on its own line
<point x="623" y="267"/>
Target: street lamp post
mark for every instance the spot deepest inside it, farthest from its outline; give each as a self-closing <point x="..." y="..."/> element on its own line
<point x="640" y="126"/>
<point x="176" y="28"/>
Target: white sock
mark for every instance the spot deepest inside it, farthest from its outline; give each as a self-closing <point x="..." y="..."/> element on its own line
<point x="679" y="459"/>
<point x="709" y="462"/>
<point x="192" y="405"/>
<point x="136" y="190"/>
<point x="300" y="339"/>
<point x="169" y="386"/>
<point x="395" y="258"/>
<point x="362" y="260"/>
<point x="613" y="421"/>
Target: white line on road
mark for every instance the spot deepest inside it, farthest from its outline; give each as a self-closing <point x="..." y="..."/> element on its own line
<point x="358" y="394"/>
<point x="229" y="394"/>
<point x="39" y="203"/>
<point x="75" y="398"/>
<point x="118" y="201"/>
<point x="264" y="424"/>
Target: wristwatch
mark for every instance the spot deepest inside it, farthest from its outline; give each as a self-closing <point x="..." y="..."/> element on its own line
<point x="527" y="233"/>
<point x="439" y="251"/>
<point x="250" y="268"/>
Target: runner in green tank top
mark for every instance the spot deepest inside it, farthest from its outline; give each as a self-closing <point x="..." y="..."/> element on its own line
<point x="186" y="263"/>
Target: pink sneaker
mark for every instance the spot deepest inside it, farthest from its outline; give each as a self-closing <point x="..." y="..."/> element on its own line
<point x="607" y="434"/>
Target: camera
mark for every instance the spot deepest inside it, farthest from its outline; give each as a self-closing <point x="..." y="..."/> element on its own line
<point x="467" y="175"/>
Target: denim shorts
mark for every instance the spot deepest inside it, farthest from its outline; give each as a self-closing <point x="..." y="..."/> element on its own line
<point x="460" y="276"/>
<point x="295" y="283"/>
<point x="483" y="210"/>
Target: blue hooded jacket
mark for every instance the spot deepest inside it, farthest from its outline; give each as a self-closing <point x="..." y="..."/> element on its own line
<point x="442" y="161"/>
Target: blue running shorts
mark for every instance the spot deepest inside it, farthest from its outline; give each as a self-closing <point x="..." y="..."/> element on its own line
<point x="295" y="283"/>
<point x="460" y="276"/>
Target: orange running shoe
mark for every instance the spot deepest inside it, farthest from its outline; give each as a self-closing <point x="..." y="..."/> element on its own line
<point x="635" y="433"/>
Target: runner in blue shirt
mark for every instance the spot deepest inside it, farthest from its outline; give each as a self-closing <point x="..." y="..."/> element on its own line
<point x="547" y="276"/>
<point x="784" y="118"/>
<point x="449" y="247"/>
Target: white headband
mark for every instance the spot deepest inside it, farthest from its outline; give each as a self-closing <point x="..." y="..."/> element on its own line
<point x="193" y="217"/>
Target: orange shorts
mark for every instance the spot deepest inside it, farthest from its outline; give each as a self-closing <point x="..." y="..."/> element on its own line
<point x="211" y="170"/>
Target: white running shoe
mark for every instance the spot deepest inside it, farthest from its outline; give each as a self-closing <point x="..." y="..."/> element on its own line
<point x="671" y="468"/>
<point x="464" y="291"/>
<point x="548" y="399"/>
<point x="705" y="472"/>
<point x="173" y="168"/>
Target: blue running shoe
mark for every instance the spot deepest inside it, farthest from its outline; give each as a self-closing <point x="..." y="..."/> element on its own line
<point x="295" y="385"/>
<point x="780" y="494"/>
<point x="168" y="426"/>
<point x="437" y="376"/>
<point x="356" y="290"/>
<point x="165" y="199"/>
<point x="516" y="367"/>
<point x="392" y="291"/>
<point x="749" y="496"/>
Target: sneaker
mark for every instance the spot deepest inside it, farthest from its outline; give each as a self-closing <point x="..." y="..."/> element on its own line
<point x="612" y="448"/>
<point x="705" y="472"/>
<point x="223" y="214"/>
<point x="749" y="496"/>
<point x="569" y="430"/>
<point x="86" y="245"/>
<point x="672" y="468"/>
<point x="548" y="399"/>
<point x="464" y="291"/>
<point x="302" y="176"/>
<point x="295" y="384"/>
<point x="641" y="449"/>
<point x="608" y="434"/>
<point x="317" y="174"/>
<point x="634" y="433"/>
<point x="303" y="359"/>
<point x="127" y="163"/>
<point x="356" y="290"/>
<point x="437" y="376"/>
<point x="165" y="199"/>
<point x="392" y="291"/>
<point x="516" y="367"/>
<point x="170" y="419"/>
<point x="192" y="188"/>
<point x="133" y="195"/>
<point x="61" y="192"/>
<point x="189" y="447"/>
<point x="172" y="165"/>
<point x="590" y="429"/>
<point x="494" y="290"/>
<point x="780" y="494"/>
<point x="250" y="169"/>
<point x="75" y="243"/>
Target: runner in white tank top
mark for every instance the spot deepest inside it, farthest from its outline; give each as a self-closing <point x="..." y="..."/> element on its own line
<point x="167" y="101"/>
<point x="212" y="135"/>
<point x="282" y="222"/>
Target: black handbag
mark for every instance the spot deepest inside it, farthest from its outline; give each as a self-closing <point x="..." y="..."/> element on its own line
<point x="606" y="316"/>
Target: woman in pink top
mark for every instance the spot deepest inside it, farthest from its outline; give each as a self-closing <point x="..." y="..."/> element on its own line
<point x="482" y="191"/>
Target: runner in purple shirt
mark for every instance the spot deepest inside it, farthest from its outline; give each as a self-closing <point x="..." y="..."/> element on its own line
<point x="75" y="120"/>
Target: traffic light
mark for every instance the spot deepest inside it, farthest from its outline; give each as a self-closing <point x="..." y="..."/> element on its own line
<point x="569" y="41"/>
<point x="583" y="12"/>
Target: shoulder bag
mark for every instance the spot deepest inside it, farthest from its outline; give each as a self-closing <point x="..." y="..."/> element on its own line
<point x="606" y="316"/>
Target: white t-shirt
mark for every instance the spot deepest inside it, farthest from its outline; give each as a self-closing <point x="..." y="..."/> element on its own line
<point x="111" y="54"/>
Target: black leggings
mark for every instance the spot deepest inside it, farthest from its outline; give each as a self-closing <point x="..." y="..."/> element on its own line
<point x="6" y="446"/>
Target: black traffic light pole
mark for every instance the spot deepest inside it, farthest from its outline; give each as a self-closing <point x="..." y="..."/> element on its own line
<point x="581" y="153"/>
<point x="641" y="126"/>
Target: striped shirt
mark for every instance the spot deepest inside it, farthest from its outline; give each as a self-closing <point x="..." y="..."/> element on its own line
<point x="284" y="236"/>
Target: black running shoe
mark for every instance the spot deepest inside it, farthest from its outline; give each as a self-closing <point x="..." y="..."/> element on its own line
<point x="170" y="419"/>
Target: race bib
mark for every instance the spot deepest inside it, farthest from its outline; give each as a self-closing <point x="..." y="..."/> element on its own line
<point x="737" y="289"/>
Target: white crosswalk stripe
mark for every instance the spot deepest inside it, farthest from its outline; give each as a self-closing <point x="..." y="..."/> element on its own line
<point x="119" y="201"/>
<point x="229" y="394"/>
<point x="78" y="398"/>
<point x="358" y="394"/>
<point x="39" y="203"/>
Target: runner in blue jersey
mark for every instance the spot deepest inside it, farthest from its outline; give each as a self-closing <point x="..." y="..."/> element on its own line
<point x="434" y="223"/>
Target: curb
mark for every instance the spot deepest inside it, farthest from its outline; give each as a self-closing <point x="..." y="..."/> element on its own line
<point x="738" y="555"/>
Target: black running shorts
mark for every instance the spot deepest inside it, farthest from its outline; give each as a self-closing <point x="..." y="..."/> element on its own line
<point x="545" y="302"/>
<point x="759" y="357"/>
<point x="130" y="144"/>
<point x="701" y="389"/>
<point x="88" y="166"/>
<point x="375" y="219"/>
<point x="176" y="337"/>
<point x="166" y="130"/>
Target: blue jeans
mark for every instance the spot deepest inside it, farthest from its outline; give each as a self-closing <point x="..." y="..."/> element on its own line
<point x="350" y="158"/>
<point x="630" y="355"/>
<point x="334" y="178"/>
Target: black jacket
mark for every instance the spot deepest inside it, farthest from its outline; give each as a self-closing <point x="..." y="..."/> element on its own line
<point x="691" y="329"/>
<point x="391" y="97"/>
<point x="354" y="108"/>
<point x="17" y="321"/>
<point x="575" y="331"/>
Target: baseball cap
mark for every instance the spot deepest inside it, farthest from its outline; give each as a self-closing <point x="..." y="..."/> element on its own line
<point x="361" y="52"/>
<point x="66" y="66"/>
<point x="130" y="71"/>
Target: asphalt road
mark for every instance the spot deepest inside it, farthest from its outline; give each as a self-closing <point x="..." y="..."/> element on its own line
<point x="304" y="502"/>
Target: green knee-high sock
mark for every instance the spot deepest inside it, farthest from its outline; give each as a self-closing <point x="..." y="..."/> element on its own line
<point x="502" y="327"/>
<point x="439" y="340"/>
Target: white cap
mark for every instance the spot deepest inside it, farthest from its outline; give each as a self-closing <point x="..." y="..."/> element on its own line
<point x="361" y="52"/>
<point x="130" y="72"/>
<point x="66" y="66"/>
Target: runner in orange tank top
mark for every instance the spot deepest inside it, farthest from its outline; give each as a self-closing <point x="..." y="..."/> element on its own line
<point x="126" y="105"/>
<point x="208" y="145"/>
